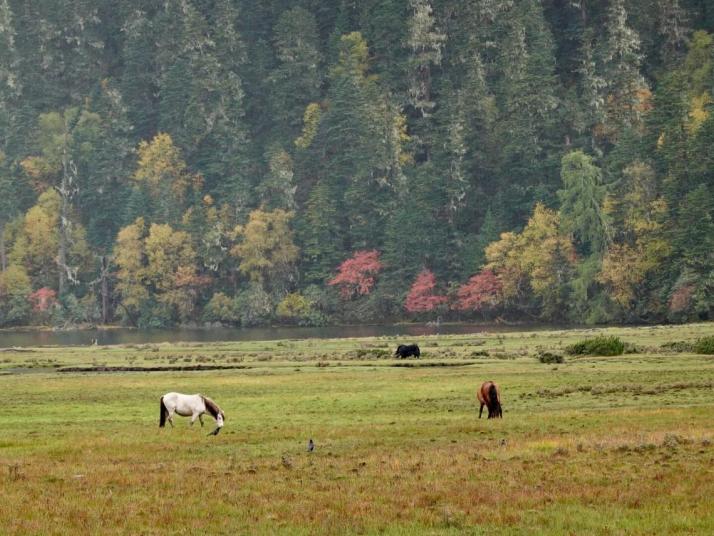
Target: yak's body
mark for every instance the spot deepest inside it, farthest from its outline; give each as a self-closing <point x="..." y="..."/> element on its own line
<point x="489" y="395"/>
<point x="406" y="350"/>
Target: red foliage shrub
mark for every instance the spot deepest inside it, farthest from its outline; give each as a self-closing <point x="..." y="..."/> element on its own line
<point x="42" y="299"/>
<point x="421" y="297"/>
<point x="357" y="274"/>
<point x="482" y="290"/>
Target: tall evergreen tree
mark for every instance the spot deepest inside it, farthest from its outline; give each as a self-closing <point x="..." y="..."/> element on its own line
<point x="139" y="78"/>
<point x="201" y="95"/>
<point x="581" y="202"/>
<point x="526" y="92"/>
<point x="626" y="91"/>
<point x="297" y="78"/>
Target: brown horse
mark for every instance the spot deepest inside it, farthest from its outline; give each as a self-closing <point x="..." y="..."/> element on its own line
<point x="489" y="395"/>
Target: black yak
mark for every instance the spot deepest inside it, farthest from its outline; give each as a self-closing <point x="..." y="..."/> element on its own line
<point x="405" y="350"/>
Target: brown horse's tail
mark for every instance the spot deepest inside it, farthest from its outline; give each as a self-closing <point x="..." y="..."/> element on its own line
<point x="495" y="403"/>
<point x="163" y="412"/>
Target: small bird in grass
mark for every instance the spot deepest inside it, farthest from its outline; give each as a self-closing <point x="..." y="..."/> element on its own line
<point x="310" y="446"/>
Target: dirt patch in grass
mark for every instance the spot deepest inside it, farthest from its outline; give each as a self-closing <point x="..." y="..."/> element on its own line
<point x="417" y="364"/>
<point x="153" y="369"/>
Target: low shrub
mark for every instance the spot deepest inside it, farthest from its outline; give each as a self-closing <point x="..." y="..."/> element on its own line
<point x="677" y="346"/>
<point x="600" y="345"/>
<point x="369" y="353"/>
<point x="633" y="348"/>
<point x="549" y="357"/>
<point x="705" y="345"/>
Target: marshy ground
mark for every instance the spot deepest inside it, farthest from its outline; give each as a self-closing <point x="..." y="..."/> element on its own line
<point x="594" y="445"/>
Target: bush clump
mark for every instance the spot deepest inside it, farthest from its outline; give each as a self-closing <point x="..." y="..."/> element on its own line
<point x="549" y="357"/>
<point x="677" y="346"/>
<point x="369" y="353"/>
<point x="600" y="345"/>
<point x="705" y="345"/>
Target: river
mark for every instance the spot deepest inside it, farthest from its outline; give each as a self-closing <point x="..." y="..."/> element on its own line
<point x="23" y="338"/>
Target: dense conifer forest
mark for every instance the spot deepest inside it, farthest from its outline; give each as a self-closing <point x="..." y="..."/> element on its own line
<point x="311" y="161"/>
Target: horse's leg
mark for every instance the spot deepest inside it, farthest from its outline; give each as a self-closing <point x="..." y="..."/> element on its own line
<point x="194" y="417"/>
<point x="171" y="418"/>
<point x="200" y="418"/>
<point x="480" y="411"/>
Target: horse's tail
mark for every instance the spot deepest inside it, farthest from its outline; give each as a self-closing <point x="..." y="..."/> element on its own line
<point x="495" y="403"/>
<point x="163" y="412"/>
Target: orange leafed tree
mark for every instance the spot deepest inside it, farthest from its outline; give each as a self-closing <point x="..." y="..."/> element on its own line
<point x="357" y="275"/>
<point x="421" y="297"/>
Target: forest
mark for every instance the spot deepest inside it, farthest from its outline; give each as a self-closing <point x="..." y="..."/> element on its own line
<point x="232" y="162"/>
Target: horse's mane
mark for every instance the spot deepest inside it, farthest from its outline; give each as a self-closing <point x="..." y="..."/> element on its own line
<point x="211" y="407"/>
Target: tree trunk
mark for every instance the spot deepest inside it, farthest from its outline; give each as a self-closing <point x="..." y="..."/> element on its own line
<point x="66" y="192"/>
<point x="62" y="249"/>
<point x="3" y="256"/>
<point x="62" y="252"/>
<point x="105" y="290"/>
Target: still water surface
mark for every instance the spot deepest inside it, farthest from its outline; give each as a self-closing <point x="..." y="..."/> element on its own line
<point x="137" y="336"/>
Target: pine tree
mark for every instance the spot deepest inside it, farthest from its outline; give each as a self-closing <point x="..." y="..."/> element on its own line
<point x="103" y="176"/>
<point x="9" y="93"/>
<point x="626" y="91"/>
<point x="581" y="202"/>
<point x="321" y="233"/>
<point x="425" y="42"/>
<point x="201" y="95"/>
<point x="296" y="80"/>
<point x="673" y="27"/>
<point x="526" y="92"/>
<point x="139" y="81"/>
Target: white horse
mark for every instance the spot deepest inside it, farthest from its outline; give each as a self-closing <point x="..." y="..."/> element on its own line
<point x="193" y="406"/>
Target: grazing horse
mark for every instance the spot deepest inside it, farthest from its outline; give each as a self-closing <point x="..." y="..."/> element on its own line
<point x="193" y="406"/>
<point x="490" y="396"/>
<point x="405" y="350"/>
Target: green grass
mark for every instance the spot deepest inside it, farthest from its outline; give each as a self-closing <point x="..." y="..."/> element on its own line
<point x="595" y="445"/>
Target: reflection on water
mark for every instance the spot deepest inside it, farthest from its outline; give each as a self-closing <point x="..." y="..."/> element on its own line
<point x="136" y="336"/>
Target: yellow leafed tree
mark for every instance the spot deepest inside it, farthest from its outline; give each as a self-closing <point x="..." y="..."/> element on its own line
<point x="540" y="258"/>
<point x="266" y="250"/>
<point x="162" y="169"/>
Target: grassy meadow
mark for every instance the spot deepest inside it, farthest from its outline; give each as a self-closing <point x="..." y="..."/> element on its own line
<point x="595" y="445"/>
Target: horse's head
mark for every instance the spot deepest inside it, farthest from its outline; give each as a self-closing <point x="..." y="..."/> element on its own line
<point x="220" y="418"/>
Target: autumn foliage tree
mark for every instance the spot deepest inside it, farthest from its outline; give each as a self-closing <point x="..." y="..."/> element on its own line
<point x="641" y="245"/>
<point x="157" y="269"/>
<point x="164" y="176"/>
<point x="356" y="276"/>
<point x="43" y="299"/>
<point x="15" y="288"/>
<point x="535" y="265"/>
<point x="421" y="297"/>
<point x="482" y="291"/>
<point x="266" y="249"/>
